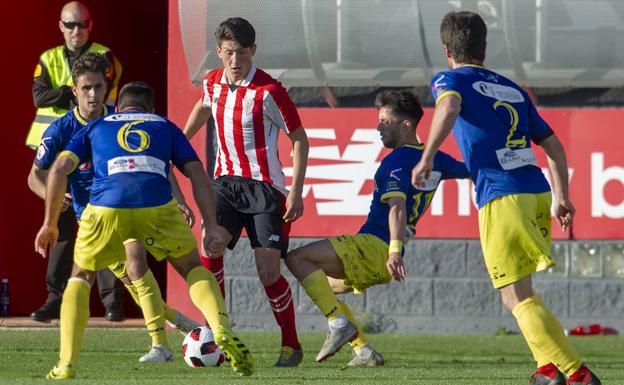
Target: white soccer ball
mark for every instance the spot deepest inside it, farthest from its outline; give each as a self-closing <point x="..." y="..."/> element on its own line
<point x="199" y="348"/>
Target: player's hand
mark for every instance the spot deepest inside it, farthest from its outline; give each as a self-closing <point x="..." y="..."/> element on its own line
<point x="187" y="213"/>
<point x="564" y="213"/>
<point x="294" y="207"/>
<point x="46" y="239"/>
<point x="395" y="266"/>
<point x="213" y="242"/>
<point x="421" y="172"/>
<point x="67" y="202"/>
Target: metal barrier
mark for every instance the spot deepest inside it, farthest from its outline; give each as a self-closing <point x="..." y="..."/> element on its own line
<point x="548" y="43"/>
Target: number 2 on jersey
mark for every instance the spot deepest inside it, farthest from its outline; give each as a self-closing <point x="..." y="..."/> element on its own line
<point x="512" y="143"/>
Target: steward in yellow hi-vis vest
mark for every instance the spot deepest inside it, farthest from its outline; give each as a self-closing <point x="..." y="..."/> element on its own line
<point x="52" y="83"/>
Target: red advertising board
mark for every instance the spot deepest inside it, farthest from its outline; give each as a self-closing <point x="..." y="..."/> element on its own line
<point x="345" y="151"/>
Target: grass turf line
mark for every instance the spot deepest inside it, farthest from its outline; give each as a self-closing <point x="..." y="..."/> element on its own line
<point x="111" y="357"/>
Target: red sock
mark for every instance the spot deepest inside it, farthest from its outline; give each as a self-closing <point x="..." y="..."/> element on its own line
<point x="280" y="298"/>
<point x="215" y="266"/>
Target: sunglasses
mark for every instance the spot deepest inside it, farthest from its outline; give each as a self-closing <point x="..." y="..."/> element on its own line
<point x="73" y="24"/>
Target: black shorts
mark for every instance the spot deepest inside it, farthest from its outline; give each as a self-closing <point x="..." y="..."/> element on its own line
<point x="255" y="206"/>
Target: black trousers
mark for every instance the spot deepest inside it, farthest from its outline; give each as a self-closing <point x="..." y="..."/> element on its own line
<point x="61" y="261"/>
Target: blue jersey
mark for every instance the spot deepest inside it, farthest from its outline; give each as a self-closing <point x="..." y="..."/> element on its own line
<point x="54" y="140"/>
<point x="494" y="131"/>
<point x="131" y="154"/>
<point x="393" y="179"/>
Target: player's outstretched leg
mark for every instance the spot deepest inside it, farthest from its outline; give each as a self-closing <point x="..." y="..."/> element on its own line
<point x="363" y="352"/>
<point x="74" y="317"/>
<point x="206" y="296"/>
<point x="309" y="265"/>
<point x="341" y="330"/>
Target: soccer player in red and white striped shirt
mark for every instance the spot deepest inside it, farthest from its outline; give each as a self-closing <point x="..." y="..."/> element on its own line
<point x="249" y="109"/>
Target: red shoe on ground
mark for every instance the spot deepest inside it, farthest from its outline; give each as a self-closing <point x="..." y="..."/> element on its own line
<point x="583" y="376"/>
<point x="547" y="375"/>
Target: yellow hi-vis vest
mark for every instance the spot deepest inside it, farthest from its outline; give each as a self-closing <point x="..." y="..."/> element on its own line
<point x="58" y="69"/>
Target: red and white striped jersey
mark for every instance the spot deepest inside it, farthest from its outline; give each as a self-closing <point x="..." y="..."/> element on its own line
<point x="248" y="118"/>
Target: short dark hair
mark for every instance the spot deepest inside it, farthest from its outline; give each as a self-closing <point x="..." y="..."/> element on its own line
<point x="137" y="94"/>
<point x="464" y="34"/>
<point x="236" y="29"/>
<point x="402" y="102"/>
<point x="90" y="62"/>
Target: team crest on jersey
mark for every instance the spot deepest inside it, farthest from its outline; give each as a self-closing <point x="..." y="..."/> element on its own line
<point x="41" y="150"/>
<point x="248" y="106"/>
<point x="215" y="100"/>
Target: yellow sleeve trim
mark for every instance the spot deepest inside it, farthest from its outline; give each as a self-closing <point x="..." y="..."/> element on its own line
<point x="74" y="158"/>
<point x="384" y="198"/>
<point x="448" y="93"/>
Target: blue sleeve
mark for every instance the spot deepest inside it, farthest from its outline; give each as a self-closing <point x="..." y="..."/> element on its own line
<point x="538" y="128"/>
<point x="79" y="148"/>
<point x="444" y="84"/>
<point x="394" y="180"/>
<point x="52" y="143"/>
<point x="452" y="168"/>
<point x="183" y="152"/>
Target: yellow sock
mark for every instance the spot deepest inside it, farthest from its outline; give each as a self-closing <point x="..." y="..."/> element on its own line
<point x="317" y="288"/>
<point x="206" y="296"/>
<point x="74" y="317"/>
<point x="361" y="339"/>
<point x="151" y="302"/>
<point x="170" y="314"/>
<point x="544" y="333"/>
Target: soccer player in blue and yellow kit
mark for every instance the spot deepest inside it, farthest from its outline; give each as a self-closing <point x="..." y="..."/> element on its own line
<point x="89" y="77"/>
<point x="374" y="256"/>
<point x="131" y="199"/>
<point x="494" y="122"/>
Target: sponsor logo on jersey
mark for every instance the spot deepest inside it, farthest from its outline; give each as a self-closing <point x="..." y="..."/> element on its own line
<point x="134" y="116"/>
<point x="498" y="92"/>
<point x="139" y="163"/>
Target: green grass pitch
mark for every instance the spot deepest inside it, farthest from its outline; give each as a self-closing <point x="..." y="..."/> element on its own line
<point x="110" y="356"/>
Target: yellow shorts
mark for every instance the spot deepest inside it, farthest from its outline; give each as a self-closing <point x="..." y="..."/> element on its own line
<point x="364" y="258"/>
<point x="515" y="236"/>
<point x="104" y="230"/>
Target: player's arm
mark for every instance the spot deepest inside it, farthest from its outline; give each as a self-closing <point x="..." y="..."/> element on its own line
<point x="294" y="201"/>
<point x="397" y="220"/>
<point x="54" y="197"/>
<point x="37" y="181"/>
<point x="558" y="165"/>
<point x="197" y="119"/>
<point x="204" y="197"/>
<point x="189" y="216"/>
<point x="446" y="112"/>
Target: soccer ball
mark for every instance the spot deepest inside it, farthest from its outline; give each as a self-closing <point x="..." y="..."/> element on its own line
<point x="199" y="348"/>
